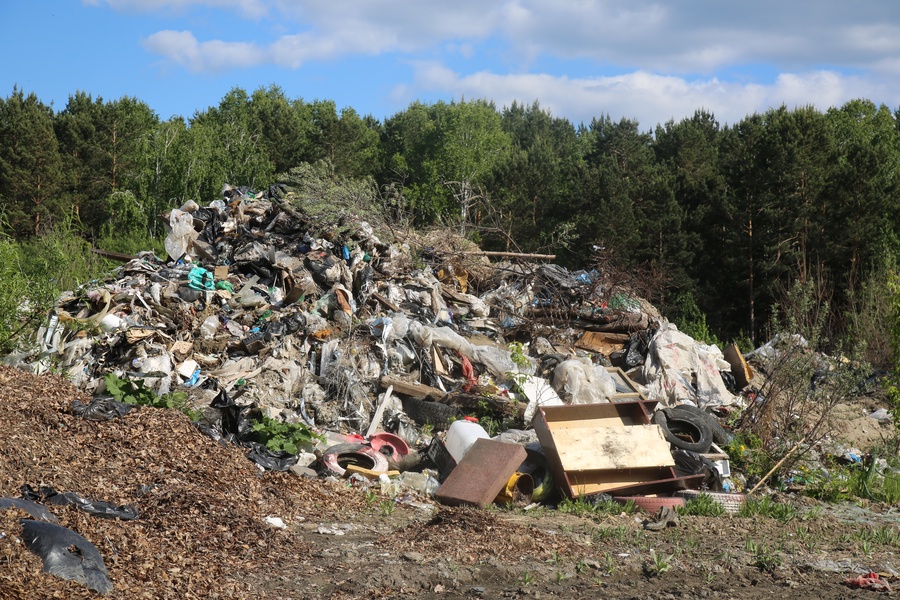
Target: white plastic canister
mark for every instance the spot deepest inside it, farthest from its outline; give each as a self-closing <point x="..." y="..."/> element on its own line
<point x="460" y="437"/>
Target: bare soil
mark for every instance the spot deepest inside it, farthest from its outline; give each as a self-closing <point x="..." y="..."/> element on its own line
<point x="201" y="531"/>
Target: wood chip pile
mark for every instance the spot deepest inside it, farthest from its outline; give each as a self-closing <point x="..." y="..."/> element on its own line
<point x="201" y="504"/>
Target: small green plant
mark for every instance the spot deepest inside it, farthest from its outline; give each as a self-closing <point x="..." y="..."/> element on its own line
<point x="609" y="563"/>
<point x="560" y="576"/>
<point x="371" y="499"/>
<point x="751" y="546"/>
<point x="701" y="506"/>
<point x="134" y="392"/>
<point x="765" y="559"/>
<point x="659" y="564"/>
<point x="279" y="436"/>
<point x="865" y="547"/>
<point x="766" y="507"/>
<point x="581" y="566"/>
<point x="527" y="577"/>
<point x="387" y="508"/>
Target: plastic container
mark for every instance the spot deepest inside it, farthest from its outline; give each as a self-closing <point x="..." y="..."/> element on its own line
<point x="460" y="437"/>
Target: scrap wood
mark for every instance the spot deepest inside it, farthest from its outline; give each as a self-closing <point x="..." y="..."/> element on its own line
<point x="412" y="388"/>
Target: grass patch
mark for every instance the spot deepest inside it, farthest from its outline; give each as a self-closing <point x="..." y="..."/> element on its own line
<point x="701" y="506"/>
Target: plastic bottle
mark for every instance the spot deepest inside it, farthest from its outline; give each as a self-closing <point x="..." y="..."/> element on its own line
<point x="461" y="435"/>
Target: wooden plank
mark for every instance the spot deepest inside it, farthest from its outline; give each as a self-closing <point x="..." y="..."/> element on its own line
<point x="412" y="389"/>
<point x="739" y="367"/>
<point x="612" y="448"/>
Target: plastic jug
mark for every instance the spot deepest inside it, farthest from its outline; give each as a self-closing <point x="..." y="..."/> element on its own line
<point x="461" y="435"/>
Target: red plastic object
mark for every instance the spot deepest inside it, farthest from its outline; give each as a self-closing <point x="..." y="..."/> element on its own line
<point x="398" y="448"/>
<point x="651" y="504"/>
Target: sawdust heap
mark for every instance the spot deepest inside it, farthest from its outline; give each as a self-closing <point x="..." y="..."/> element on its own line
<point x="201" y="510"/>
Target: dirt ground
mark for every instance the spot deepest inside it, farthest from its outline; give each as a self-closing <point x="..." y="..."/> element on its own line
<point x="201" y="530"/>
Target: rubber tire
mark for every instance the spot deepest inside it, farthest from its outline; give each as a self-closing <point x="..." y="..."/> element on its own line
<point x="684" y="423"/>
<point x="720" y="434"/>
<point x="332" y="456"/>
<point x="651" y="504"/>
<point x="425" y="412"/>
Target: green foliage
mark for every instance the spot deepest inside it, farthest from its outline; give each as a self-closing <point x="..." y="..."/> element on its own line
<point x="133" y="391"/>
<point x="330" y="199"/>
<point x="766" y="507"/>
<point x="279" y="436"/>
<point x="747" y="455"/>
<point x="765" y="559"/>
<point x="658" y="564"/>
<point x="691" y="320"/>
<point x="702" y="506"/>
<point x="583" y="506"/>
<point x="15" y="286"/>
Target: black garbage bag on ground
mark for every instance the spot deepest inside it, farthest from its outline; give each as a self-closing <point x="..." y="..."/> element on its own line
<point x="104" y="408"/>
<point x="55" y="545"/>
<point x="97" y="508"/>
<point x="236" y="427"/>
<point x="692" y="463"/>
<point x="37" y="511"/>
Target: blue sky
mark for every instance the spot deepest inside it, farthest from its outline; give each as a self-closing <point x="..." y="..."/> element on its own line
<point x="640" y="59"/>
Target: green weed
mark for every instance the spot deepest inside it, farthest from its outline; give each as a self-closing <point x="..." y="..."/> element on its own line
<point x="701" y="506"/>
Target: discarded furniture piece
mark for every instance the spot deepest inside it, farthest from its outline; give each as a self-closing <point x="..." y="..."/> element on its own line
<point x="604" y="448"/>
<point x="482" y="474"/>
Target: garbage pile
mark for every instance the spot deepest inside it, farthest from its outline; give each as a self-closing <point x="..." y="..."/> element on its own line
<point x="376" y="350"/>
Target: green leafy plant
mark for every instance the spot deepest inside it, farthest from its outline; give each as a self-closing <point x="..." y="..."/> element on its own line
<point x="134" y="392"/>
<point x="387" y="508"/>
<point x="279" y="436"/>
<point x="527" y="577"/>
<point x="766" y="559"/>
<point x="658" y="564"/>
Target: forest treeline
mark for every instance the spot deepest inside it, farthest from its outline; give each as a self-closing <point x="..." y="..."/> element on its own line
<point x="789" y="212"/>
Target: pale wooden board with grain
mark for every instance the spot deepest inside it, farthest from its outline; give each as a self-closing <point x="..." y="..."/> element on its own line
<point x="636" y="447"/>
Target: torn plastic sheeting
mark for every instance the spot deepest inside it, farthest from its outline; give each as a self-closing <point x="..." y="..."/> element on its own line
<point x="181" y="234"/>
<point x="675" y="361"/>
<point x="497" y="360"/>
<point x="104" y="408"/>
<point x="579" y="381"/>
<point x="35" y="510"/>
<point x="52" y="544"/>
<point x="97" y="508"/>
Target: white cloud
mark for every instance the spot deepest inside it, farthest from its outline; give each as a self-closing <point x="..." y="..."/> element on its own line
<point x="183" y="48"/>
<point x="649" y="98"/>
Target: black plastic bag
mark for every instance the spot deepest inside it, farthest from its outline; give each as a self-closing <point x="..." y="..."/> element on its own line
<point x="104" y="408"/>
<point x="97" y="508"/>
<point x="54" y="543"/>
<point x="37" y="511"/>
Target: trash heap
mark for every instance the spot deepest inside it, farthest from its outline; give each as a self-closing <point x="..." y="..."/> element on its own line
<point x="373" y="353"/>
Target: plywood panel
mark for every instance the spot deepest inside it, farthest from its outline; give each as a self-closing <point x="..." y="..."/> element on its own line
<point x="612" y="448"/>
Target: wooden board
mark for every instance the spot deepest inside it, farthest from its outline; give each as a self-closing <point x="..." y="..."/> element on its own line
<point x="636" y="447"/>
<point x="604" y="343"/>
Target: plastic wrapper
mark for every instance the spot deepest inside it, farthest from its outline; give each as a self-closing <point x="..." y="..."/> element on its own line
<point x="579" y="381"/>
